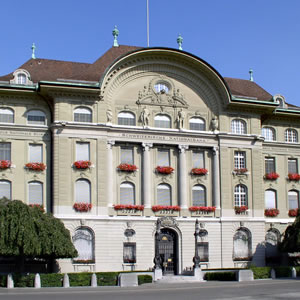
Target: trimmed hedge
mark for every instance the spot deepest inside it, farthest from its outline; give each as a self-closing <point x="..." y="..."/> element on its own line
<point x="144" y="279"/>
<point x="52" y="280"/>
<point x="220" y="276"/>
<point x="107" y="278"/>
<point x="261" y="272"/>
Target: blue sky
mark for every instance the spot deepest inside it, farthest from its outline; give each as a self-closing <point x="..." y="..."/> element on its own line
<point x="231" y="35"/>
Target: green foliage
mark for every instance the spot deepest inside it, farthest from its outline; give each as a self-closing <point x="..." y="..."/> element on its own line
<point x="23" y="280"/>
<point x="144" y="279"/>
<point x="3" y="280"/>
<point x="27" y="231"/>
<point x="261" y="272"/>
<point x="107" y="278"/>
<point x="220" y="276"/>
<point x="51" y="280"/>
<point x="291" y="240"/>
<point x="283" y="272"/>
<point x="297" y="270"/>
<point x="80" y="279"/>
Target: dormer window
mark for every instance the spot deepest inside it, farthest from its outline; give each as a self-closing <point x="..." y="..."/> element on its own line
<point x="22" y="77"/>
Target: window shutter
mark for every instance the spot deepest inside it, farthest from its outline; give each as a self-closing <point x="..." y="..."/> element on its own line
<point x="83" y="191"/>
<point x="35" y="193"/>
<point x="5" y="151"/>
<point x="164" y="195"/>
<point x="127" y="194"/>
<point x="127" y="156"/>
<point x="198" y="159"/>
<point x="163" y="157"/>
<point x="82" y="151"/>
<point x="5" y="189"/>
<point x="270" y="199"/>
<point x="35" y="153"/>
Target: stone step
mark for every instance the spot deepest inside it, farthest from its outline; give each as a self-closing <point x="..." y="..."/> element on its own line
<point x="176" y="279"/>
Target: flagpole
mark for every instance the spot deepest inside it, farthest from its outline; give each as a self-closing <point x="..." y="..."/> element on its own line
<point x="148" y="43"/>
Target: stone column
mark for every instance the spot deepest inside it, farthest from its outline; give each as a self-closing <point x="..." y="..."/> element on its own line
<point x="110" y="174"/>
<point x="182" y="176"/>
<point x="216" y="177"/>
<point x="147" y="169"/>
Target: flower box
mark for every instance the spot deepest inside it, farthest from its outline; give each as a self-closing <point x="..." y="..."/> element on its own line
<point x="164" y="170"/>
<point x="293" y="212"/>
<point x="241" y="209"/>
<point x="241" y="171"/>
<point x="83" y="261"/>
<point x="5" y="164"/>
<point x="203" y="208"/>
<point x="40" y="207"/>
<point x="38" y="167"/>
<point x="294" y="176"/>
<point x="82" y="164"/>
<point x="82" y="207"/>
<point x="271" y="212"/>
<point x="156" y="208"/>
<point x="199" y="171"/>
<point x="271" y="176"/>
<point x="127" y="168"/>
<point x="129" y="207"/>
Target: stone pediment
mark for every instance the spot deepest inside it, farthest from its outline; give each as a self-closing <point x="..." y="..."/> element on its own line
<point x="155" y="94"/>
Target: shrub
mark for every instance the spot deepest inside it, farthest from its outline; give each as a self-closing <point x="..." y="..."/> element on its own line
<point x="283" y="271"/>
<point x="23" y="280"/>
<point x="107" y="278"/>
<point x="261" y="272"/>
<point x="3" y="280"/>
<point x="80" y="279"/>
<point x="220" y="276"/>
<point x="144" y="279"/>
<point x="51" y="280"/>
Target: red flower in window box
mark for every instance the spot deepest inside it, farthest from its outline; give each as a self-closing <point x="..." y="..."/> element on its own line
<point x="83" y="261"/>
<point x="271" y="212"/>
<point x="82" y="207"/>
<point x="164" y="170"/>
<point x="271" y="176"/>
<point x="199" y="171"/>
<point x="5" y="164"/>
<point x="240" y="209"/>
<point x="127" y="167"/>
<point x="294" y="176"/>
<point x="36" y="166"/>
<point x="165" y="207"/>
<point x="128" y="206"/>
<point x="40" y="207"/>
<point x="293" y="212"/>
<point x="82" y="164"/>
<point x="203" y="208"/>
<point x="241" y="171"/>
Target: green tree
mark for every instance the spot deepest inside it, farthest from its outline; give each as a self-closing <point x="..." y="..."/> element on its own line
<point x="28" y="232"/>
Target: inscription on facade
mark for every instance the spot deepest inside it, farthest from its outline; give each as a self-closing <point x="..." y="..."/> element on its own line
<point x="23" y="133"/>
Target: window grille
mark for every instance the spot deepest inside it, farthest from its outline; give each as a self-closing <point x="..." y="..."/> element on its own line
<point x="83" y="241"/>
<point x="36" y="117"/>
<point x="291" y="136"/>
<point x="268" y="133"/>
<point x="238" y="126"/>
<point x="129" y="253"/>
<point x="239" y="160"/>
<point x="240" y="195"/>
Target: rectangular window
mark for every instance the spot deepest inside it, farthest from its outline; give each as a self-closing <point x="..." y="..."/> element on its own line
<point x="163" y="157"/>
<point x="292" y="166"/>
<point x="35" y="193"/>
<point x="198" y="159"/>
<point x="35" y="153"/>
<point x="293" y="198"/>
<point x="5" y="151"/>
<point x="269" y="165"/>
<point x="126" y="155"/>
<point x="129" y="253"/>
<point x="202" y="249"/>
<point x="82" y="151"/>
<point x="239" y="160"/>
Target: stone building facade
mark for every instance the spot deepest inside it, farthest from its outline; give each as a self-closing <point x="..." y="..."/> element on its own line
<point x="144" y="134"/>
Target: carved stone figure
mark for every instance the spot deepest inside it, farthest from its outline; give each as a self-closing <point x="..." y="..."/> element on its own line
<point x="109" y="116"/>
<point x="145" y="117"/>
<point x="180" y="118"/>
<point x="214" y="123"/>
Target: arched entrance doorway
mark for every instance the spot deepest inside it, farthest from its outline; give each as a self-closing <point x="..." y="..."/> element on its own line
<point x="167" y="243"/>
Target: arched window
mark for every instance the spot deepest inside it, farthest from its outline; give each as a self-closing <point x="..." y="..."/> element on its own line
<point x="268" y="133"/>
<point x="83" y="114"/>
<point x="272" y="239"/>
<point x="83" y="240"/>
<point x="161" y="87"/>
<point x="270" y="199"/>
<point x="82" y="191"/>
<point x="242" y="244"/>
<point x="199" y="195"/>
<point x="35" y="193"/>
<point x="6" y="115"/>
<point x="21" y="78"/>
<point x="238" y="126"/>
<point x="164" y="194"/>
<point x="240" y="195"/>
<point x="162" y="121"/>
<point x="293" y="197"/>
<point x="291" y="136"/>
<point x="5" y="189"/>
<point x="197" y="124"/>
<point x="36" y="117"/>
<point x="127" y="193"/>
<point x="126" y="118"/>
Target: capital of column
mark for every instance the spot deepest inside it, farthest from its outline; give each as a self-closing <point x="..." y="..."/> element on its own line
<point x="147" y="146"/>
<point x="110" y="143"/>
<point x="215" y="150"/>
<point x="183" y="148"/>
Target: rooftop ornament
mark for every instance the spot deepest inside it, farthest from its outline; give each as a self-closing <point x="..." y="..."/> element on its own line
<point x="251" y="75"/>
<point x="33" y="51"/>
<point x="179" y="41"/>
<point x="115" y="33"/>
